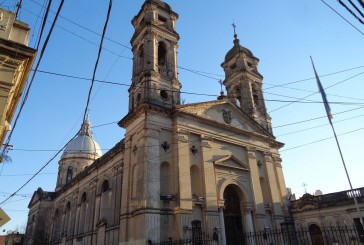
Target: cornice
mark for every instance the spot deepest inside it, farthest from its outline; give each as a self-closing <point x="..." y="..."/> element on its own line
<point x="141" y="109"/>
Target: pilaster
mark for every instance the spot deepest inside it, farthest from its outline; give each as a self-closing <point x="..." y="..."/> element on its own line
<point x="276" y="196"/>
<point x="256" y="187"/>
<point x="208" y="173"/>
<point x="183" y="155"/>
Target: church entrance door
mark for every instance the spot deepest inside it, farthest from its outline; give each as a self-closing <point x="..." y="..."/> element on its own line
<point x="316" y="235"/>
<point x="232" y="217"/>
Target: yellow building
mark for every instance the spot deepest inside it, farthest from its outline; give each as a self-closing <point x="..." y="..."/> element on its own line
<point x="181" y="170"/>
<point x="16" y="60"/>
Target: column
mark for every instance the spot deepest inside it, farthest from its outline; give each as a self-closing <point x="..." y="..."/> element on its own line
<point x="248" y="217"/>
<point x="222" y="225"/>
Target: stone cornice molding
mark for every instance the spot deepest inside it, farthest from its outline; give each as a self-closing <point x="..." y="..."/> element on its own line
<point x="206" y="141"/>
<point x="182" y="135"/>
<point x="268" y="157"/>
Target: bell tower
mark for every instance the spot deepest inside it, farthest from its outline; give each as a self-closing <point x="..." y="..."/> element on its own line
<point x="154" y="46"/>
<point x="243" y="83"/>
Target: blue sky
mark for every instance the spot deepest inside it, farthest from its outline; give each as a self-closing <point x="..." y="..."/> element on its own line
<point x="282" y="34"/>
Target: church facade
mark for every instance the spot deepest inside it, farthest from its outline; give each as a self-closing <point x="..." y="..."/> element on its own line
<point x="212" y="166"/>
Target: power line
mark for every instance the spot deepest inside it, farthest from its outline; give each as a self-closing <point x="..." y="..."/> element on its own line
<point x="312" y="78"/>
<point x="320" y="140"/>
<point x="17" y="175"/>
<point x="342" y="17"/>
<point x="285" y="125"/>
<point x="316" y="118"/>
<point x="34" y="175"/>
<point x="32" y="79"/>
<point x="322" y="125"/>
<point x="86" y="109"/>
<point x="352" y="12"/>
<point x="97" y="61"/>
<point x="203" y="94"/>
<point x="316" y="92"/>
<point x="201" y="73"/>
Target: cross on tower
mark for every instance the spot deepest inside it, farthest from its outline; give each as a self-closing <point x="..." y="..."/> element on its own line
<point x="304" y="185"/>
<point x="221" y="83"/>
<point x="234" y="26"/>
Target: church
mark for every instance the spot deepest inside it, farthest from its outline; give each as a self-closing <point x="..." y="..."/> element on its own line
<point x="211" y="167"/>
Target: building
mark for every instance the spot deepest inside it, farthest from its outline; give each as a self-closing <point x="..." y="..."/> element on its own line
<point x="337" y="209"/>
<point x="181" y="170"/>
<point x="13" y="238"/>
<point x="16" y="60"/>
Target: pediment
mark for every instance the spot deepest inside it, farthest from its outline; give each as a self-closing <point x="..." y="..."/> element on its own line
<point x="224" y="113"/>
<point x="35" y="198"/>
<point x="38" y="195"/>
<point x="230" y="161"/>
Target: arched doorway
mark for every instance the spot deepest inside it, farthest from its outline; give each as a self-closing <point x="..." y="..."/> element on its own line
<point x="316" y="235"/>
<point x="232" y="217"/>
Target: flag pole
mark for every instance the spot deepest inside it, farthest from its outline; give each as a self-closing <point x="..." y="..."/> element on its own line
<point x="329" y="116"/>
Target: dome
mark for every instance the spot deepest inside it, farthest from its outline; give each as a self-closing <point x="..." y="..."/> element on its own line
<point x="83" y="145"/>
<point x="236" y="50"/>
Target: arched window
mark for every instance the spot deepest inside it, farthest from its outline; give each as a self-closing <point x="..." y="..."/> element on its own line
<point x="238" y="96"/>
<point x="105" y="203"/>
<point x="83" y="198"/>
<point x="255" y="95"/>
<point x="83" y="210"/>
<point x="105" y="186"/>
<point x="69" y="174"/>
<point x="196" y="185"/>
<point x="56" y="225"/>
<point x="67" y="229"/>
<point x="140" y="59"/>
<point x="162" y="59"/>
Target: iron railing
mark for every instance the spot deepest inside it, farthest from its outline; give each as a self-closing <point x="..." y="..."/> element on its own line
<point x="328" y="235"/>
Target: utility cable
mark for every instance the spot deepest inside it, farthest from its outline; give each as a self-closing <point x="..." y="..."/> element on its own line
<point x="342" y="17"/>
<point x="32" y="79"/>
<point x="320" y="140"/>
<point x="313" y="78"/>
<point x="200" y="73"/>
<point x="319" y="126"/>
<point x="316" y="92"/>
<point x="352" y="12"/>
<point x="97" y="61"/>
<point x="316" y="118"/>
<point x="293" y="132"/>
<point x="361" y="2"/>
<point x="193" y="93"/>
<point x="38" y="37"/>
<point x="172" y="156"/>
<point x="43" y="167"/>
